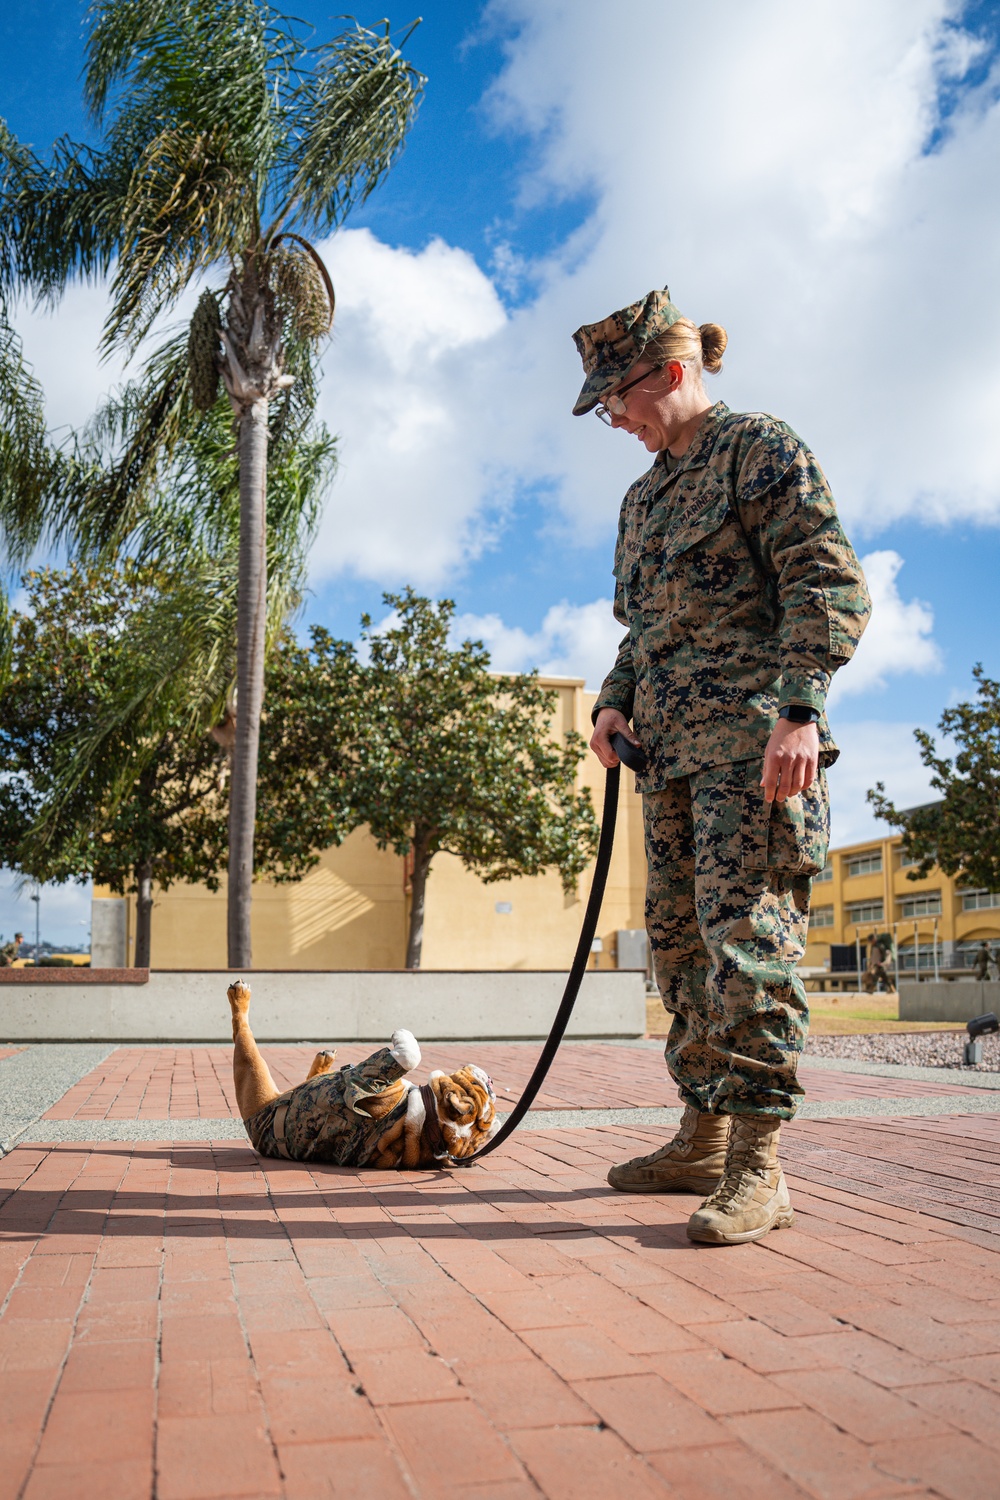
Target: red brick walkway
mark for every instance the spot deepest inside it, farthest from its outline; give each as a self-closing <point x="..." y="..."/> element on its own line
<point x="178" y="1315"/>
<point x="186" y="1322"/>
<point x="177" y="1083"/>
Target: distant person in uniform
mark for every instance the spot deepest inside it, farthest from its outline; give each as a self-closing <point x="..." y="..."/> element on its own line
<point x="981" y="963"/>
<point x="741" y="596"/>
<point x="10" y="951"/>
<point x="876" y="976"/>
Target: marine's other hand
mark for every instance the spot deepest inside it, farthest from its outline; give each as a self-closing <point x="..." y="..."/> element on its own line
<point x="791" y="760"/>
<point x="609" y="721"/>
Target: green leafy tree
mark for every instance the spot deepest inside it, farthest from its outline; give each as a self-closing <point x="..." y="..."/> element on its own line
<point x="308" y="761"/>
<point x="961" y="832"/>
<point x="70" y="650"/>
<point x="73" y="652"/>
<point x="450" y="757"/>
<point x="228" y="136"/>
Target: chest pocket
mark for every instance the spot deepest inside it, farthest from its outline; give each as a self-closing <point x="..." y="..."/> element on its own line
<point x="707" y="563"/>
<point x="696" y="524"/>
<point x="701" y="562"/>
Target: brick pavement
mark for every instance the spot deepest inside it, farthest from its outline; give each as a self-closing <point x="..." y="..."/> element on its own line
<point x="187" y="1322"/>
<point x="176" y="1083"/>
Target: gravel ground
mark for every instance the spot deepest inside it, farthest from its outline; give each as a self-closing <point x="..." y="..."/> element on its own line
<point x="922" y="1049"/>
<point x="32" y="1080"/>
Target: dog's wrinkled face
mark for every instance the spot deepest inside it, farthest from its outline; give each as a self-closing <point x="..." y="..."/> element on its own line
<point x="466" y="1108"/>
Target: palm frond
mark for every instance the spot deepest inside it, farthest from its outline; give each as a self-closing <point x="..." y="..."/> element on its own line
<point x="30" y="467"/>
<point x="347" y="117"/>
<point x="6" y="638"/>
<point x="58" y="219"/>
<point x="187" y="207"/>
<point x="124" y="450"/>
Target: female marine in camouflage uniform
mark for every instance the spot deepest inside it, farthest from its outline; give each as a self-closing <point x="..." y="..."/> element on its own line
<point x="741" y="596"/>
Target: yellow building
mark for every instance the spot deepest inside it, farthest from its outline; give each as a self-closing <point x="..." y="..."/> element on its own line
<point x="938" y="922"/>
<point x="352" y="910"/>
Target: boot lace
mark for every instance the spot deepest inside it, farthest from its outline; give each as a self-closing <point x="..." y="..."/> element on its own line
<point x="741" y="1172"/>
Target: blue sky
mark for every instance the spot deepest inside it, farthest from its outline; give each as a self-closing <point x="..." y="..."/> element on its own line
<point x="822" y="180"/>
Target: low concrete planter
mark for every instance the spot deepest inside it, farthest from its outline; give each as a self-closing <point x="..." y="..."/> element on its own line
<point x="191" y="1006"/>
<point x="957" y="1001"/>
<point x="75" y="975"/>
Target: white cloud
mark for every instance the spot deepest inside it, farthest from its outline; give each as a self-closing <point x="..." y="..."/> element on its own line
<point x="574" y="640"/>
<point x="873" y="751"/>
<point x="403" y="389"/>
<point x="788" y="193"/>
<point x="61" y="344"/>
<point x="783" y="190"/>
<point x="898" y="638"/>
<point x="781" y="185"/>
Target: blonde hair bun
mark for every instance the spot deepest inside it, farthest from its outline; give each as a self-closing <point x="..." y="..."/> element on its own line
<point x="713" y="345"/>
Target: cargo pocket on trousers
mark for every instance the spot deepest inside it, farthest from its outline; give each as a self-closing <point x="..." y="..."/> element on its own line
<point x="792" y="835"/>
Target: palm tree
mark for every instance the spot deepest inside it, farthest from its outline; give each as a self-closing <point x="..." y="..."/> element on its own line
<point x="228" y="137"/>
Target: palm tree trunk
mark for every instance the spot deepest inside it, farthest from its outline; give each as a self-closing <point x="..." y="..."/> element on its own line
<point x="143" y="914"/>
<point x="418" y="892"/>
<point x="250" y="637"/>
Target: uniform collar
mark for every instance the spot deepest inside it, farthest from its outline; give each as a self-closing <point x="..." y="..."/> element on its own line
<point x="700" y="450"/>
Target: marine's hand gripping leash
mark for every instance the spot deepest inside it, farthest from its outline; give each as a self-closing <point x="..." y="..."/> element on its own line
<point x="635" y="759"/>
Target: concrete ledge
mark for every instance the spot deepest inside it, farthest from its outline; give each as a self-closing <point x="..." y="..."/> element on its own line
<point x="76" y="975"/>
<point x="191" y="1006"/>
<point x="957" y="1001"/>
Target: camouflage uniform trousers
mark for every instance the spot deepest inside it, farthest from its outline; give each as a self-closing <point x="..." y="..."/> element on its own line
<point x="325" y="1117"/>
<point x="727" y="911"/>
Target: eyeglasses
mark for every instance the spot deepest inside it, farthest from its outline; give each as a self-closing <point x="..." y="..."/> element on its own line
<point x="614" y="406"/>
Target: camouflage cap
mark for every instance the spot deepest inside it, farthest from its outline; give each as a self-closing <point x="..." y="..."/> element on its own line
<point x="610" y="348"/>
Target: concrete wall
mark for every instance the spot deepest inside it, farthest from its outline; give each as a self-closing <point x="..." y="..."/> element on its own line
<point x="959" y="1000"/>
<point x="337" y="1007"/>
<point x="108" y="932"/>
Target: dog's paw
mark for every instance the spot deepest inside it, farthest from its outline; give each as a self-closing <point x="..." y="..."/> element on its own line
<point x="404" y="1049"/>
<point x="322" y="1063"/>
<point x="239" y="996"/>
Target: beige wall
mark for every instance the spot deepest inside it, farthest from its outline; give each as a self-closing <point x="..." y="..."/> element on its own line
<point x="351" y="910"/>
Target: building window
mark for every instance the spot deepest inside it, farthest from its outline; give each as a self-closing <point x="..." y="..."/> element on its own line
<point x="825" y="874"/>
<point x="907" y="958"/>
<point x="821" y="916"/>
<point x="979" y="900"/>
<point x="865" y="864"/>
<point x="865" y="911"/>
<point x="907" y="861"/>
<point x="927" y="904"/>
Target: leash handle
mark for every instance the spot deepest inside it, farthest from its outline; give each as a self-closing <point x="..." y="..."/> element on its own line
<point x="576" y="973"/>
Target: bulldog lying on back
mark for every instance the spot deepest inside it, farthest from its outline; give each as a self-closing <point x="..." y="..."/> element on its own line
<point x="366" y="1114"/>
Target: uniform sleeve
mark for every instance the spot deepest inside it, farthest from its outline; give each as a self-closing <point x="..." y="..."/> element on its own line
<point x="821" y="595"/>
<point x="618" y="688"/>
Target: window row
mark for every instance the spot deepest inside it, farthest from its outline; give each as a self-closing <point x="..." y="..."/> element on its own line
<point x="979" y="900"/>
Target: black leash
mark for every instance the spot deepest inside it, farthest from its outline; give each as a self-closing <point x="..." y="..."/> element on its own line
<point x="635" y="759"/>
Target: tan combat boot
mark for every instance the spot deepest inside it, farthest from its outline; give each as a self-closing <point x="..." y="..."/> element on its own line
<point x="692" y="1162"/>
<point x="752" y="1197"/>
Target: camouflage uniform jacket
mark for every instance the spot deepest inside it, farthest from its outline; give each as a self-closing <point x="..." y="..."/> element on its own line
<point x="740" y="592"/>
<point x="326" y="1118"/>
